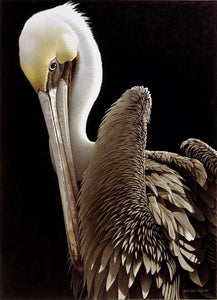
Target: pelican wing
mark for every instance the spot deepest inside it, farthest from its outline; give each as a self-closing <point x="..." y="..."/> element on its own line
<point x="182" y="195"/>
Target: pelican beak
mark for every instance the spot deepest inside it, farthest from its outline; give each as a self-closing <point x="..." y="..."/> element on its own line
<point x="55" y="107"/>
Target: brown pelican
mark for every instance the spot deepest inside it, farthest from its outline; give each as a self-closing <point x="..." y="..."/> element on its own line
<point x="144" y="225"/>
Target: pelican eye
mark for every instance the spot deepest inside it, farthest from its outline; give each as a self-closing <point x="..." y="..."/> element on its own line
<point x="53" y="66"/>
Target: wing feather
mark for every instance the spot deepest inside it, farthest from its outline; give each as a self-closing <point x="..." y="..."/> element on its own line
<point x="171" y="266"/>
<point x="131" y="278"/>
<point x="185" y="265"/>
<point x="99" y="282"/>
<point x="107" y="252"/>
<point x="201" y="275"/>
<point x="129" y="263"/>
<point x="145" y="281"/>
<point x="123" y="280"/>
<point x="184" y="226"/>
<point x="146" y="262"/>
<point x="136" y="265"/>
<point x="113" y="271"/>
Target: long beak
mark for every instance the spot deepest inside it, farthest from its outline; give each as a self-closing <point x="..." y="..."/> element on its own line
<point x="55" y="108"/>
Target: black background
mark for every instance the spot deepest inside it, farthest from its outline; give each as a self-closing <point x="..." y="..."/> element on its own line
<point x="170" y="47"/>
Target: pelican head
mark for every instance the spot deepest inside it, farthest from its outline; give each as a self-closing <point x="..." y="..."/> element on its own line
<point x="45" y="46"/>
<point x="61" y="60"/>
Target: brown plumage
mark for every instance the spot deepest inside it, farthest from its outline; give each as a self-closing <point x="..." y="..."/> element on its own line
<point x="147" y="218"/>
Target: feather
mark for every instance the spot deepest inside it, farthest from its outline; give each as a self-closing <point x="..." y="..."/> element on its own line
<point x="159" y="181"/>
<point x="180" y="188"/>
<point x="123" y="279"/>
<point x="197" y="214"/>
<point x="177" y="284"/>
<point x="151" y="185"/>
<point x="173" y="292"/>
<point x="163" y="289"/>
<point x="153" y="267"/>
<point x="107" y="252"/>
<point x="169" y="290"/>
<point x="168" y="221"/>
<point x="190" y="256"/>
<point x="201" y="175"/>
<point x="172" y="178"/>
<point x="188" y="231"/>
<point x="112" y="293"/>
<point x="116" y="253"/>
<point x="113" y="271"/>
<point x="158" y="264"/>
<point x="123" y="257"/>
<point x="159" y="254"/>
<point x="154" y="208"/>
<point x="129" y="262"/>
<point x="174" y="247"/>
<point x="145" y="281"/>
<point x="201" y="275"/>
<point x="99" y="282"/>
<point x="185" y="233"/>
<point x="192" y="246"/>
<point x="91" y="249"/>
<point x="95" y="255"/>
<point x="182" y="203"/>
<point x="131" y="278"/>
<point x="136" y="265"/>
<point x="159" y="280"/>
<point x="90" y="276"/>
<point x="147" y="262"/>
<point x="184" y="264"/>
<point x="166" y="292"/>
<point x="171" y="266"/>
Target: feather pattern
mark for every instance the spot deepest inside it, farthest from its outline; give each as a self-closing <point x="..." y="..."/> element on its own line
<point x="144" y="227"/>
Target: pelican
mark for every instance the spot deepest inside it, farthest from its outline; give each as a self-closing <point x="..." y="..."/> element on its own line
<point x="143" y="224"/>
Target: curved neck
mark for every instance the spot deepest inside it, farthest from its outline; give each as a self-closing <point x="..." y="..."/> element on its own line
<point x="85" y="89"/>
